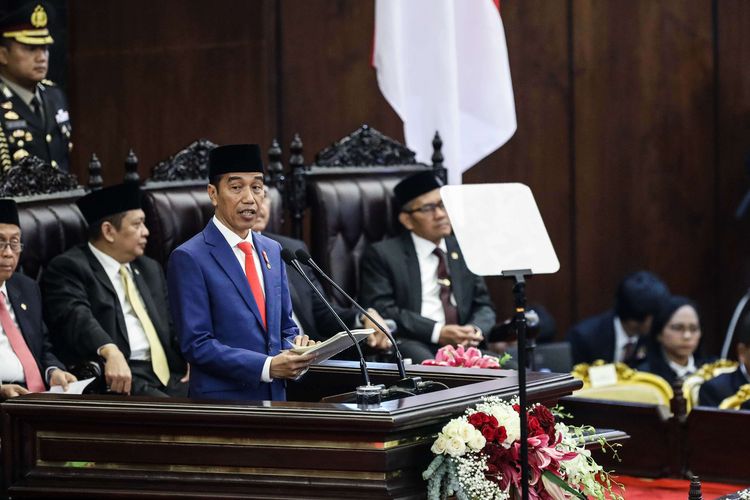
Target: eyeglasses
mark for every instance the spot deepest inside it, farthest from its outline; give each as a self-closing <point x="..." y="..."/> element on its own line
<point x="683" y="328"/>
<point x="15" y="246"/>
<point x="428" y="208"/>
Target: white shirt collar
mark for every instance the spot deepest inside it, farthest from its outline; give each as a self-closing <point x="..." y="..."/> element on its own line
<point x="680" y="370"/>
<point x="110" y="264"/>
<point x="4" y="290"/>
<point x="425" y="247"/>
<point x="21" y="92"/>
<point x="232" y="238"/>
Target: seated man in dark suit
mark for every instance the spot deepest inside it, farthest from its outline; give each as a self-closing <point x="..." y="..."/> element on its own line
<point x="421" y="280"/>
<point x="309" y="312"/>
<point x="620" y="335"/>
<point x="26" y="358"/>
<point x="716" y="390"/>
<point x="106" y="299"/>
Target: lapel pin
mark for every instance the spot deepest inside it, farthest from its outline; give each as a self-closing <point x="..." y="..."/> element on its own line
<point x="23" y="306"/>
<point x="265" y="257"/>
<point x="454" y="255"/>
<point x="136" y="271"/>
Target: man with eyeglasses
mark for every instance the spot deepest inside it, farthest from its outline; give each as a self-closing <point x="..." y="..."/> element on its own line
<point x="27" y="363"/>
<point x="105" y="300"/>
<point x="420" y="278"/>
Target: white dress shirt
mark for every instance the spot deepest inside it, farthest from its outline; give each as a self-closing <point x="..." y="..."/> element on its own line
<point x="140" y="349"/>
<point x="11" y="369"/>
<point x="681" y="370"/>
<point x="233" y="240"/>
<point x="432" y="307"/>
<point x="621" y="340"/>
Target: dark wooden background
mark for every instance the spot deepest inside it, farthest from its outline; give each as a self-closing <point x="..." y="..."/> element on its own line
<point x="633" y="118"/>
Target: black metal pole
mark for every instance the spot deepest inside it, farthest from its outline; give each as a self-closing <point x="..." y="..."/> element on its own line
<point x="519" y="320"/>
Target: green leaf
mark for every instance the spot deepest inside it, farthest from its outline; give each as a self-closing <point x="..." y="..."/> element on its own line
<point x="562" y="484"/>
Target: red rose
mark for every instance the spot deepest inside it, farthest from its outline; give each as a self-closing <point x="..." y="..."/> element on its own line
<point x="492" y="421"/>
<point x="546" y="419"/>
<point x="488" y="433"/>
<point x="501" y="434"/>
<point x="534" y="428"/>
<point x="517" y="408"/>
<point x="477" y="419"/>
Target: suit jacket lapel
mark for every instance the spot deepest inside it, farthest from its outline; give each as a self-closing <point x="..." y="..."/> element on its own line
<point x="225" y="258"/>
<point x="269" y="274"/>
<point x="456" y="269"/>
<point x="104" y="280"/>
<point x="410" y="268"/>
<point x="16" y="299"/>
<point x="148" y="302"/>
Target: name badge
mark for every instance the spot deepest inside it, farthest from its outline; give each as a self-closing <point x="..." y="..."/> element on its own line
<point x="62" y="116"/>
<point x="603" y="376"/>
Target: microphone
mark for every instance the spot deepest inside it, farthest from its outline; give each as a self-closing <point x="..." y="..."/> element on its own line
<point x="367" y="394"/>
<point x="409" y="383"/>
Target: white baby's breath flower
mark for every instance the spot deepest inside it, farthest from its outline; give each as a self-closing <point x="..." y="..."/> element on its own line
<point x="455" y="447"/>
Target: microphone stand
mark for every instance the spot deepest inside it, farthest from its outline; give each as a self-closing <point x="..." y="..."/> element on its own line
<point x="411" y="384"/>
<point x="368" y="394"/>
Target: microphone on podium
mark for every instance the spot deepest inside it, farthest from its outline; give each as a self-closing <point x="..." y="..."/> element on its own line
<point x="408" y="385"/>
<point x="367" y="394"/>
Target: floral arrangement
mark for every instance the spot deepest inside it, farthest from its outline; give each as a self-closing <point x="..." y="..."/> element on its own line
<point x="477" y="456"/>
<point x="467" y="358"/>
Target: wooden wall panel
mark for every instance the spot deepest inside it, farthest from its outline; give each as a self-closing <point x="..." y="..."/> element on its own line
<point x="328" y="87"/>
<point x="732" y="272"/>
<point x="538" y="154"/>
<point x="155" y="76"/>
<point x="644" y="147"/>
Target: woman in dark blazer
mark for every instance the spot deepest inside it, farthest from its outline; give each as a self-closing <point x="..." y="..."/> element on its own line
<point x="674" y="340"/>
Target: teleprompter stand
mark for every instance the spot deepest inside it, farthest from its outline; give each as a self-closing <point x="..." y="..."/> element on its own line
<point x="501" y="233"/>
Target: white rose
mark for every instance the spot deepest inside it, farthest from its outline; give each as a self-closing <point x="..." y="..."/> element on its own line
<point x="455" y="447"/>
<point x="438" y="447"/>
<point x="451" y="429"/>
<point x="477" y="441"/>
<point x="466" y="431"/>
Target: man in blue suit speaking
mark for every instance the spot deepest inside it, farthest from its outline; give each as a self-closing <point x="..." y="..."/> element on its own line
<point x="228" y="291"/>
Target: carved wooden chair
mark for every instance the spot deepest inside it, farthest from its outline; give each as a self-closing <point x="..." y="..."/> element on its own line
<point x="692" y="384"/>
<point x="345" y="196"/>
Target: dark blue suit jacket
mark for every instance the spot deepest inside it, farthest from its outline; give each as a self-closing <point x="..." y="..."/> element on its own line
<point x="594" y="338"/>
<point x="26" y="301"/>
<point x="716" y="390"/>
<point x="218" y="322"/>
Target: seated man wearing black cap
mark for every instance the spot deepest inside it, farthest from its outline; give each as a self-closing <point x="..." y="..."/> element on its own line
<point x="421" y="280"/>
<point x="229" y="293"/>
<point x="26" y="358"/>
<point x="34" y="117"/>
<point x="106" y="299"/>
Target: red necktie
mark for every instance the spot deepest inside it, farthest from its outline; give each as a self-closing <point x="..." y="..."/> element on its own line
<point x="34" y="382"/>
<point x="252" y="278"/>
<point x="444" y="280"/>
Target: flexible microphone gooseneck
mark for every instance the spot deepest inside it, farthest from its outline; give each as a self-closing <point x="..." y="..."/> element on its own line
<point x="368" y="388"/>
<point x="409" y="383"/>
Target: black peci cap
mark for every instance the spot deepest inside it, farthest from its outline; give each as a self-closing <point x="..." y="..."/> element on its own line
<point x="234" y="158"/>
<point x="27" y="24"/>
<point x="110" y="201"/>
<point x="8" y="212"/>
<point x="415" y="185"/>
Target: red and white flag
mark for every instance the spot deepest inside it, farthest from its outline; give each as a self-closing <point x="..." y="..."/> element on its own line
<point x="443" y="66"/>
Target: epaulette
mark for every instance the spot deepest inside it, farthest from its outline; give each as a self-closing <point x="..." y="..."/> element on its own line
<point x="48" y="83"/>
<point x="737" y="400"/>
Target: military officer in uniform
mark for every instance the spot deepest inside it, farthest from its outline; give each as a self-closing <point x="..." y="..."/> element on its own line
<point x="34" y="117"/>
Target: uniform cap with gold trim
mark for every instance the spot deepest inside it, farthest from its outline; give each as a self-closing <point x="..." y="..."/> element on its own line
<point x="28" y="24"/>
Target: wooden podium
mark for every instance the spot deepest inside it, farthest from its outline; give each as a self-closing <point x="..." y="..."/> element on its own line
<point x="59" y="446"/>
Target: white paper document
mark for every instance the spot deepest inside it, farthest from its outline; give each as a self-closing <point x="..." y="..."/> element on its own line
<point x="73" y="387"/>
<point x="334" y="345"/>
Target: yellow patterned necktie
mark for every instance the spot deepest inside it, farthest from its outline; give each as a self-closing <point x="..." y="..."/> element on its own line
<point x="158" y="358"/>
